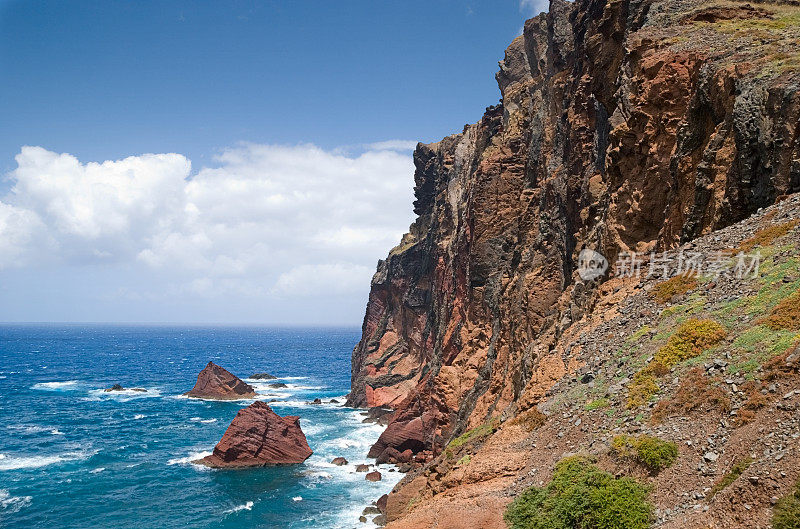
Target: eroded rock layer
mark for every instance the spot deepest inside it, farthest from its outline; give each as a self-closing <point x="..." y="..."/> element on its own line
<point x="215" y="382"/>
<point x="624" y="126"/>
<point x="259" y="437"/>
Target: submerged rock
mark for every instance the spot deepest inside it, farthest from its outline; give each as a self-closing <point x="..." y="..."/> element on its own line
<point x="262" y="376"/>
<point x="118" y="387"/>
<point x="215" y="382"/>
<point x="259" y="437"/>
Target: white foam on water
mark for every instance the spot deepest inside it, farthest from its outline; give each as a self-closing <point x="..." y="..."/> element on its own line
<point x="124" y="395"/>
<point x="11" y="504"/>
<point x="191" y="458"/>
<point x="33" y="429"/>
<point x="97" y="470"/>
<point x="55" y="386"/>
<point x="29" y="462"/>
<point x="204" y="421"/>
<point x="244" y="507"/>
<point x="297" y="498"/>
<point x="138" y="416"/>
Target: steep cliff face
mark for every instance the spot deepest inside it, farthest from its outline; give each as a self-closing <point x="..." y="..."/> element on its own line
<point x="624" y="125"/>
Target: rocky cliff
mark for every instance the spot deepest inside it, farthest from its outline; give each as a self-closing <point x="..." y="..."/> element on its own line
<point x="623" y="126"/>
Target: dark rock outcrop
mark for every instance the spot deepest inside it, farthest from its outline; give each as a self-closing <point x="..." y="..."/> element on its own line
<point x="259" y="437"/>
<point x="262" y="376"/>
<point x="118" y="387"/>
<point x="215" y="382"/>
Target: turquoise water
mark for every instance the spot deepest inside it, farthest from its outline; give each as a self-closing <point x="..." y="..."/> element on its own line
<point x="72" y="456"/>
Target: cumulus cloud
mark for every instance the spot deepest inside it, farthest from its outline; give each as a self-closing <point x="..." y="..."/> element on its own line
<point x="264" y="220"/>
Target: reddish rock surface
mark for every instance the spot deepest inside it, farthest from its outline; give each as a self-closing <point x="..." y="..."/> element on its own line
<point x="373" y="476"/>
<point x="259" y="437"/>
<point x="215" y="382"/>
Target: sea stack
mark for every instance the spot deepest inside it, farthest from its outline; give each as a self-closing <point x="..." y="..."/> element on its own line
<point x="258" y="437"/>
<point x="215" y="382"/>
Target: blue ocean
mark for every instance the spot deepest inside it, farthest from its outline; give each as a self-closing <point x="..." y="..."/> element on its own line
<point x="74" y="456"/>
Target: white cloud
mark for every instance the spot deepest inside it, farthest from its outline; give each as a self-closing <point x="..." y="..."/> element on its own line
<point x="392" y="145"/>
<point x="267" y="220"/>
<point x="534" y="7"/>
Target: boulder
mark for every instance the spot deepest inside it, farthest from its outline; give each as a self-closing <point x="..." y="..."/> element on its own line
<point x="381" y="503"/>
<point x="398" y="437"/>
<point x="118" y="387"/>
<point x="278" y="385"/>
<point x="373" y="476"/>
<point x="262" y="376"/>
<point x="215" y="382"/>
<point x="316" y="401"/>
<point x="259" y="437"/>
<point x="362" y="468"/>
<point x="339" y="461"/>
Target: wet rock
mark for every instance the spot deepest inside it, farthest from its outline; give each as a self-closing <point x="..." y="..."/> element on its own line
<point x="339" y="461"/>
<point x="262" y="376"/>
<point x="373" y="476"/>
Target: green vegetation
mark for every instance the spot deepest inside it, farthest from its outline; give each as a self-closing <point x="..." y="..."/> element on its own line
<point x="480" y="432"/>
<point x="580" y="495"/>
<point x="651" y="452"/>
<point x="676" y="286"/>
<point x="736" y="470"/>
<point x="598" y="404"/>
<point x="692" y="339"/>
<point x="786" y="513"/>
<point x="464" y="460"/>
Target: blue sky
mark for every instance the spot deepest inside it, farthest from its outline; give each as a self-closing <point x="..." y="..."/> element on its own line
<point x="241" y="91"/>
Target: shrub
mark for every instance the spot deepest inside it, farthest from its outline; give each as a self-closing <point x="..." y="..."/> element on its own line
<point x="733" y="474"/>
<point x="531" y="419"/>
<point x="786" y="513"/>
<point x="597" y="404"/>
<point x="582" y="495"/>
<point x="642" y="387"/>
<point x="755" y="401"/>
<point x="651" y="452"/>
<point x="697" y="392"/>
<point x="783" y="365"/>
<point x="690" y="340"/>
<point x="785" y="315"/>
<point x="675" y="286"/>
<point x="767" y="236"/>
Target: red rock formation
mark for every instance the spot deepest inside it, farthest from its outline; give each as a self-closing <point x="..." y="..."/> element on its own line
<point x="624" y="125"/>
<point x="258" y="437"/>
<point x="215" y="382"/>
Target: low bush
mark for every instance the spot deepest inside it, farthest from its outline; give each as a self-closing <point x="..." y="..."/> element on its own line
<point x="785" y="315"/>
<point x="675" y="286"/>
<point x="767" y="236"/>
<point x="580" y="495"/>
<point x="651" y="452"/>
<point x="732" y="475"/>
<point x="696" y="393"/>
<point x="530" y="419"/>
<point x="692" y="339"/>
<point x="786" y="513"/>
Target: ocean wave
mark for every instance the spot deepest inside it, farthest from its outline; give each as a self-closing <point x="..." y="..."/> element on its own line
<point x="297" y="498"/>
<point x="33" y="429"/>
<point x="244" y="507"/>
<point x="56" y="385"/>
<point x="11" y="504"/>
<point x="138" y="416"/>
<point x="191" y="458"/>
<point x="204" y="421"/>
<point x="30" y="462"/>
<point x="124" y="395"/>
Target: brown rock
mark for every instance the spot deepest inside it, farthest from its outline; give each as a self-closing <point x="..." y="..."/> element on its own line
<point x="339" y="461"/>
<point x="362" y="468"/>
<point x="215" y="382"/>
<point x="381" y="503"/>
<point x="373" y="476"/>
<point x="259" y="437"/>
